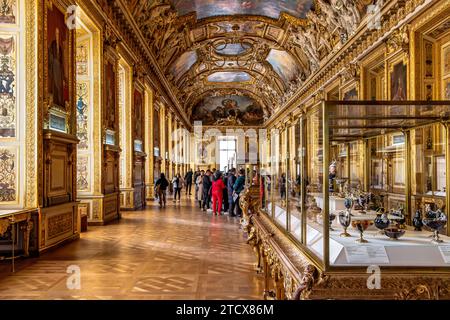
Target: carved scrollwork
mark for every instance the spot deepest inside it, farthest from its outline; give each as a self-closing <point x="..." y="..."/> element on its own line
<point x="4" y="225"/>
<point x="419" y="292"/>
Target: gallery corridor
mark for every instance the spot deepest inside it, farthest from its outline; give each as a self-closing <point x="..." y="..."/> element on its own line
<point x="174" y="253"/>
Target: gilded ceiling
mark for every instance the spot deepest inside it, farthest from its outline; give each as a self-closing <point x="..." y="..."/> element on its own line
<point x="259" y="50"/>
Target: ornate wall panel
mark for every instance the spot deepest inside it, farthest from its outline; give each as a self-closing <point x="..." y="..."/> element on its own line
<point x="83" y="173"/>
<point x="8" y="85"/>
<point x="8" y="175"/>
<point x="83" y="111"/>
<point x="13" y="86"/>
<point x="8" y="12"/>
<point x="58" y="224"/>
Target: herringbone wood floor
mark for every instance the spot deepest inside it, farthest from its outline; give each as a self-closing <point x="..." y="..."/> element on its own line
<point x="173" y="253"/>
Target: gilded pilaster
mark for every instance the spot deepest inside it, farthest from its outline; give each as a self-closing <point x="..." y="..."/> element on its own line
<point x="148" y="114"/>
<point x="169" y="143"/>
<point x="126" y="189"/>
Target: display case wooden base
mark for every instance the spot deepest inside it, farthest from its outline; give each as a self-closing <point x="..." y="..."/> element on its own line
<point x="100" y="209"/>
<point x="58" y="224"/>
<point x="149" y="193"/>
<point x="291" y="274"/>
<point x="127" y="199"/>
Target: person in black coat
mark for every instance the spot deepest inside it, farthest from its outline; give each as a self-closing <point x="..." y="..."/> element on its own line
<point x="207" y="184"/>
<point x="160" y="187"/>
<point x="230" y="183"/>
<point x="225" y="193"/>
<point x="188" y="180"/>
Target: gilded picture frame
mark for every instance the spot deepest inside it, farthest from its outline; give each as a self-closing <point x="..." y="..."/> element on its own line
<point x="58" y="68"/>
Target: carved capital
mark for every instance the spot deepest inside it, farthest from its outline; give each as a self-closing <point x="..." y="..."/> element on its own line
<point x="399" y="40"/>
<point x="110" y="38"/>
<point x="352" y="72"/>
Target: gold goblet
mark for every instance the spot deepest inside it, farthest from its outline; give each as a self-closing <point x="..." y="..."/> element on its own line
<point x="362" y="226"/>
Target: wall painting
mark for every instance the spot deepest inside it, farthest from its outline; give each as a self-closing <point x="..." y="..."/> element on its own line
<point x="399" y="82"/>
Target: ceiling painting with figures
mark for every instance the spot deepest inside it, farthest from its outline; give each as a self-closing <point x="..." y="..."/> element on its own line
<point x="231" y="110"/>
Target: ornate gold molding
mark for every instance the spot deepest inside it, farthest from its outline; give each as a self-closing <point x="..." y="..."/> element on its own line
<point x="33" y="113"/>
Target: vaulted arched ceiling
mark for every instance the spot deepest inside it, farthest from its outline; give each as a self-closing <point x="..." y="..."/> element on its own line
<point x="258" y="50"/>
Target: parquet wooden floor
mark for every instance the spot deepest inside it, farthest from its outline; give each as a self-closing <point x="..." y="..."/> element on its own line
<point x="173" y="253"/>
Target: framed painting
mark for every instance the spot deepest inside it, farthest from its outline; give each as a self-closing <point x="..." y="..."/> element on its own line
<point x="111" y="95"/>
<point x="446" y="92"/>
<point x="399" y="84"/>
<point x="138" y="118"/>
<point x="349" y="91"/>
<point x="446" y="60"/>
<point x="351" y="95"/>
<point x="156" y="130"/>
<point x="59" y="57"/>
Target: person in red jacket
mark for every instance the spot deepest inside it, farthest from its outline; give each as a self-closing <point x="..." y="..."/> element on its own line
<point x="217" y="192"/>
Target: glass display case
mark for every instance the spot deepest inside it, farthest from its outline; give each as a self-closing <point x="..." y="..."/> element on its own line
<point x="365" y="184"/>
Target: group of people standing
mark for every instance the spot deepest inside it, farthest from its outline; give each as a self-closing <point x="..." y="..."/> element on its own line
<point x="219" y="192"/>
<point x="214" y="191"/>
<point x="178" y="183"/>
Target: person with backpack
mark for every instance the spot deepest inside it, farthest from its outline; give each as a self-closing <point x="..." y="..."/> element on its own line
<point x="161" y="186"/>
<point x="238" y="186"/>
<point x="217" y="193"/>
<point x="177" y="182"/>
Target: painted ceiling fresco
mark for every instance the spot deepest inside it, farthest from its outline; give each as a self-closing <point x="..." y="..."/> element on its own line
<point x="229" y="77"/>
<point x="268" y="8"/>
<point x="228" y="110"/>
<point x="284" y="64"/>
<point x="233" y="49"/>
<point x="183" y="63"/>
<point x="216" y="48"/>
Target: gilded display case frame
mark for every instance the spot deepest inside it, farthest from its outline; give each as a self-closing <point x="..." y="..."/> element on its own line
<point x="441" y="118"/>
<point x="322" y="263"/>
